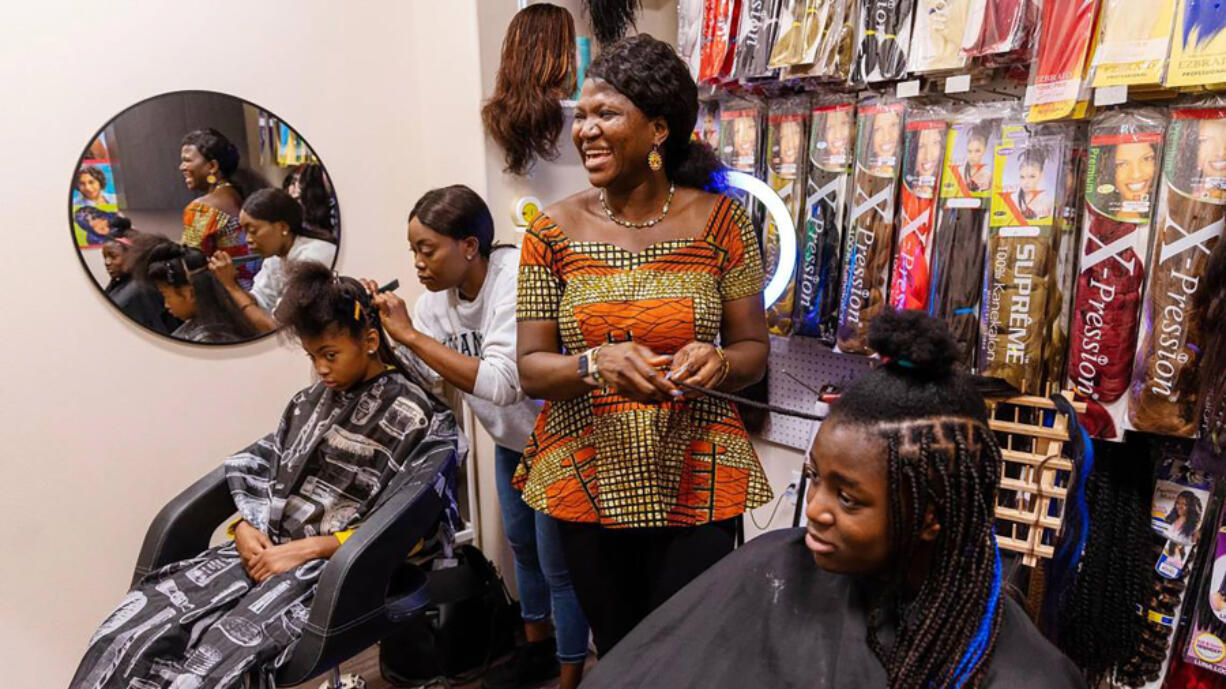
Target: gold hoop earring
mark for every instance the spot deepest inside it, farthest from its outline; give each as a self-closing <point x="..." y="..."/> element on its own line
<point x="655" y="161"/>
<point x="211" y="179"/>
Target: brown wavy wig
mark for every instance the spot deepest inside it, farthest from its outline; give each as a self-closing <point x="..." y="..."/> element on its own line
<point x="524" y="116"/>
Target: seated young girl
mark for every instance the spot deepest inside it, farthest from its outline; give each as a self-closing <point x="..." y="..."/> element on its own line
<point x="192" y="294"/>
<point x="343" y="445"/>
<point x="896" y="581"/>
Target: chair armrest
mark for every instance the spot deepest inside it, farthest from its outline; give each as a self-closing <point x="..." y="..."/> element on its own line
<point x="183" y="527"/>
<point x="349" y="612"/>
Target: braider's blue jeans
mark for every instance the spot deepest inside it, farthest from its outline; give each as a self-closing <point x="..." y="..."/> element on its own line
<point x="540" y="568"/>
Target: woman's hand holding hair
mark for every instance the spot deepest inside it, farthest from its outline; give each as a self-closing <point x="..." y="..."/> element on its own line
<point x="222" y="267"/>
<point x="393" y="312"/>
<point x="634" y="371"/>
<point x="701" y="364"/>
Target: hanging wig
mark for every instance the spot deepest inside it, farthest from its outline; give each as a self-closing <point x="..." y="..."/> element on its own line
<point x="611" y="19"/>
<point x="524" y="116"/>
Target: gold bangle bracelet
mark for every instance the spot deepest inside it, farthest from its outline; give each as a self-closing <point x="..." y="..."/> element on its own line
<point x="727" y="367"/>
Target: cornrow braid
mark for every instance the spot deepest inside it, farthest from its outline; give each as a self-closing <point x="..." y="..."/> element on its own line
<point x="947" y="633"/>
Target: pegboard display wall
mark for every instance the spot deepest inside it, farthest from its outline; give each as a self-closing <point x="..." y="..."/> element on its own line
<point x="797" y="368"/>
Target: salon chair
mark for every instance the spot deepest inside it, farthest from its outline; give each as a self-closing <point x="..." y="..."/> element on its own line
<point x="367" y="590"/>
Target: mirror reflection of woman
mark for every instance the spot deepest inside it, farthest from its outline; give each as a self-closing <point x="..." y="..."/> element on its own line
<point x="208" y="162"/>
<point x="192" y="294"/>
<point x="463" y="331"/>
<point x="273" y="223"/>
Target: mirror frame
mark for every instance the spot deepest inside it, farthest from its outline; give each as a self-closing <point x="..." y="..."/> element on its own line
<point x="81" y="255"/>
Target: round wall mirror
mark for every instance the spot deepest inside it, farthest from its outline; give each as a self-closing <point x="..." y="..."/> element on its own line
<point x="187" y="209"/>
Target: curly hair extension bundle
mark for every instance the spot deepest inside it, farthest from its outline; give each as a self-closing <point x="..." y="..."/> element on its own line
<point x="1164" y="391"/>
<point x="870" y="237"/>
<point x="524" y="116"/>
<point x="1098" y="626"/>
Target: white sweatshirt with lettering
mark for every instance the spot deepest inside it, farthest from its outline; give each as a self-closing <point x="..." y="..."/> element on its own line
<point x="484" y="328"/>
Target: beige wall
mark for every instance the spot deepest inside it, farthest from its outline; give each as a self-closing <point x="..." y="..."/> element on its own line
<point x="102" y="422"/>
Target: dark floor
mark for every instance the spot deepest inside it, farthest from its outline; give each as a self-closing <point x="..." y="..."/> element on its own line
<point x="367" y="665"/>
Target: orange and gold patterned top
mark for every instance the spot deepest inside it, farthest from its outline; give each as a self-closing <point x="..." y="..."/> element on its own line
<point x="601" y="457"/>
<point x="211" y="229"/>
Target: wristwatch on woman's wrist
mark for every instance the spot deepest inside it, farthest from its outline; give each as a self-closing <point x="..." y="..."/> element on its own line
<point x="588" y="370"/>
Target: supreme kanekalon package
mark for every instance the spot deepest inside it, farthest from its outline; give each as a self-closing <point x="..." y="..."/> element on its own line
<point x="870" y="228"/>
<point x="1001" y="31"/>
<point x="959" y="243"/>
<point x="1058" y="76"/>
<point x="831" y="139"/>
<point x="936" y="40"/>
<point x="1198" y="44"/>
<point x="882" y="40"/>
<point x="1121" y="186"/>
<point x="1020" y="261"/>
<point x="785" y="164"/>
<point x="1191" y="214"/>
<point x="1132" y="45"/>
<point x="923" y="154"/>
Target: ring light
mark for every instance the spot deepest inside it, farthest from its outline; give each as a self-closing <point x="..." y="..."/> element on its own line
<point x="784" y="226"/>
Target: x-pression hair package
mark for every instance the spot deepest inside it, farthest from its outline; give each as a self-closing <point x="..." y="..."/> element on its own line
<point x="787" y="137"/>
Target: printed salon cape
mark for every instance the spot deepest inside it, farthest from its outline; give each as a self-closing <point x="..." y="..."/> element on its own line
<point x="334" y="459"/>
<point x="766" y="616"/>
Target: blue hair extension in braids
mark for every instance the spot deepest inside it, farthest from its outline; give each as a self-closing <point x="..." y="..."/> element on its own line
<point x="983" y="634"/>
<point x="1062" y="568"/>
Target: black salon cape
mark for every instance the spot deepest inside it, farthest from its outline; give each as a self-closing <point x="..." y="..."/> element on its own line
<point x="767" y="616"/>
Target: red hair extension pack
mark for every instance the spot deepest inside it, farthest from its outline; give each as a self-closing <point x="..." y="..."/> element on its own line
<point x="1122" y="172"/>
<point x="923" y="155"/>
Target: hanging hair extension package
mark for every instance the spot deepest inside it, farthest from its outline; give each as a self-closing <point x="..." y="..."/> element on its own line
<point x="1060" y="305"/>
<point x="1058" y="87"/>
<point x="870" y="227"/>
<point x="718" y="40"/>
<point x="1121" y="186"/>
<point x="706" y="128"/>
<point x="936" y="40"/>
<point x="960" y="240"/>
<point x="740" y="124"/>
<point x="1206" y="640"/>
<point x="830" y="30"/>
<point x="756" y="39"/>
<point x="882" y="40"/>
<point x="1132" y="45"/>
<point x="1198" y="45"/>
<point x="1191" y="214"/>
<point x="789" y="43"/>
<point x="1020" y="262"/>
<point x="691" y="21"/>
<point x="1001" y="31"/>
<point x="816" y="310"/>
<point x="787" y="136"/>
<point x="923" y="155"/>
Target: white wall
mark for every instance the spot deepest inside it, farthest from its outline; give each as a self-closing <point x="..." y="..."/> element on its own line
<point x="102" y="422"/>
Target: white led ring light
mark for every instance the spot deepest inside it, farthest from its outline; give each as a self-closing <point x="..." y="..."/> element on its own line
<point x="784" y="225"/>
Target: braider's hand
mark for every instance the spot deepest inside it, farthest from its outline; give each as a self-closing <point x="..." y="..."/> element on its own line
<point x="392" y="312"/>
<point x="698" y="363"/>
<point x="222" y="267"/>
<point x="633" y="371"/>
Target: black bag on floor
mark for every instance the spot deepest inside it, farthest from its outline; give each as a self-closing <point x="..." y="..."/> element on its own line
<point x="471" y="620"/>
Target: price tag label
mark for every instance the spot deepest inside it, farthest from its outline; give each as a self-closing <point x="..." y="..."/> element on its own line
<point x="959" y="83"/>
<point x="1110" y="95"/>
<point x="909" y="89"/>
